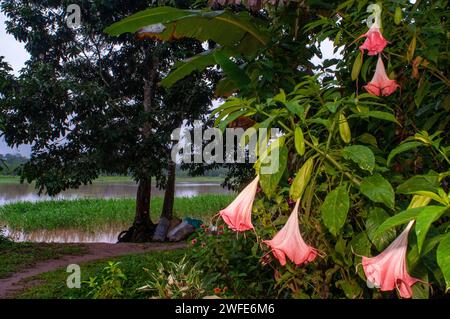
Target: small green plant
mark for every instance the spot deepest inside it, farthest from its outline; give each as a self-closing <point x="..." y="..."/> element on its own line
<point x="109" y="284"/>
<point x="175" y="280"/>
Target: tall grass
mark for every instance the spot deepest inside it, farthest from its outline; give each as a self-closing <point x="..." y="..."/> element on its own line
<point x="92" y="214"/>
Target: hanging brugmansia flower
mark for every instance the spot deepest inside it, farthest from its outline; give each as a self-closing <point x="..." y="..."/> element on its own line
<point x="380" y="83"/>
<point x="238" y="215"/>
<point x="375" y="42"/>
<point x="388" y="270"/>
<point x="289" y="242"/>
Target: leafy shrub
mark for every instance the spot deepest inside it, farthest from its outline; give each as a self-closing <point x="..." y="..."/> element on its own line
<point x="177" y="280"/>
<point x="231" y="263"/>
<point x="109" y="284"/>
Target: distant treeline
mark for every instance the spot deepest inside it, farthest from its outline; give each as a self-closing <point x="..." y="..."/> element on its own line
<point x="10" y="162"/>
<point x="218" y="172"/>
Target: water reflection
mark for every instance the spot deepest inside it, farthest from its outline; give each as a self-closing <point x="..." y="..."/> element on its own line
<point x="105" y="235"/>
<point x="24" y="192"/>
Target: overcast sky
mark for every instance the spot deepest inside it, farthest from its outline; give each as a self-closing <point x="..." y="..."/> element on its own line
<point x="16" y="55"/>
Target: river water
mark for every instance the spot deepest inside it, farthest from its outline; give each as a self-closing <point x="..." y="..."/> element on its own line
<point x="10" y="193"/>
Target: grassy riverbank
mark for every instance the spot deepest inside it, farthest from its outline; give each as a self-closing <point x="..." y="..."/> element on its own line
<point x="15" y="257"/>
<point x="91" y="214"/>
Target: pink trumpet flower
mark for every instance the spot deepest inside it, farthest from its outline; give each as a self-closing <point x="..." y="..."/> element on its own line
<point x="289" y="242"/>
<point x="380" y="83"/>
<point x="375" y="42"/>
<point x="238" y="215"/>
<point x="388" y="270"/>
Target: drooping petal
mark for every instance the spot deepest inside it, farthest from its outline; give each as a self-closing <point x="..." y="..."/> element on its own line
<point x="380" y="83"/>
<point x="388" y="270"/>
<point x="375" y="42"/>
<point x="238" y="215"/>
<point x="289" y="242"/>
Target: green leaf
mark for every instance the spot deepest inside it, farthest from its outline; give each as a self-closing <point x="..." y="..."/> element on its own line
<point x="369" y="139"/>
<point x="378" y="190"/>
<point x="333" y="106"/>
<point x="405" y="216"/>
<point x="182" y="69"/>
<point x="335" y="208"/>
<point x="280" y="97"/>
<point x="299" y="141"/>
<point x="146" y="17"/>
<point x="231" y="69"/>
<point x="419" y="183"/>
<point x="361" y="244"/>
<point x="350" y="287"/>
<point x="421" y="92"/>
<point x="295" y="107"/>
<point x="398" y="15"/>
<point x="443" y="259"/>
<point x="225" y="87"/>
<point x="402" y="148"/>
<point x="361" y="155"/>
<point x="269" y="182"/>
<point x="375" y="218"/>
<point x="357" y="66"/>
<point x="240" y="31"/>
<point x="376" y="114"/>
<point x="198" y="62"/>
<point x="411" y="49"/>
<point x="230" y="118"/>
<point x="301" y="180"/>
<point x="423" y="223"/>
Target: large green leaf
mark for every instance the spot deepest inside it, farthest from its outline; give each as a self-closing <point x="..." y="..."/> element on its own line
<point x="443" y="258"/>
<point x="361" y="155"/>
<point x="405" y="216"/>
<point x="335" y="208"/>
<point x="424" y="221"/>
<point x="269" y="182"/>
<point x="378" y="189"/>
<point x="402" y="148"/>
<point x="151" y="16"/>
<point x="376" y="114"/>
<point x="182" y="69"/>
<point x="425" y="183"/>
<point x="375" y="218"/>
<point x="240" y="31"/>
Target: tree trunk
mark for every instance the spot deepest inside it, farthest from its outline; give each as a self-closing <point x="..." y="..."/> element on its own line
<point x="169" y="194"/>
<point x="143" y="228"/>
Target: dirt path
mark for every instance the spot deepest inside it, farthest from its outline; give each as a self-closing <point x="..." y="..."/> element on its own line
<point x="96" y="251"/>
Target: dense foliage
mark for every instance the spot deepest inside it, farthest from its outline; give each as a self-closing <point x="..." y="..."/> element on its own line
<point x="362" y="166"/>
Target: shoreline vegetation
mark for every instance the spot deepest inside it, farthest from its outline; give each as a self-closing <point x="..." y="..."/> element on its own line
<point x="92" y="214"/>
